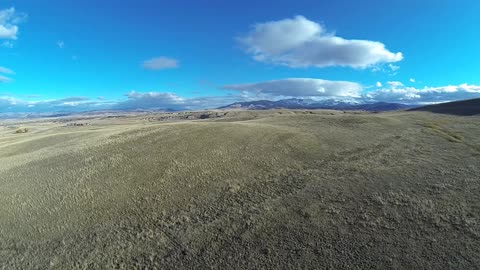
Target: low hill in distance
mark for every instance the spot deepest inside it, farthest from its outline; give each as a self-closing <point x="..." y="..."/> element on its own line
<point x="462" y="107"/>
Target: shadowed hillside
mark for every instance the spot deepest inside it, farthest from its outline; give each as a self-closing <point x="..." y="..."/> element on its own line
<point x="463" y="107"/>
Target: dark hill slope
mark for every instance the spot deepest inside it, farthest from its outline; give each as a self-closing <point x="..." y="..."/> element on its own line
<point x="463" y="107"/>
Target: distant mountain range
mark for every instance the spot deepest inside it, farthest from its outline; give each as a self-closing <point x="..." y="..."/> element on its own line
<point x="295" y="103"/>
<point x="462" y="107"/>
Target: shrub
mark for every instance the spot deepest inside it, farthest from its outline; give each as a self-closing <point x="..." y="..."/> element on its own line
<point x="21" y="130"/>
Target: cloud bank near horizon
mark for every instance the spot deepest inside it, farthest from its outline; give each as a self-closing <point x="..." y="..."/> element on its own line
<point x="300" y="87"/>
<point x="316" y="89"/>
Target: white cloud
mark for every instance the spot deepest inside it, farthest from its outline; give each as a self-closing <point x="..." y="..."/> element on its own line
<point x="214" y="101"/>
<point x="4" y="79"/>
<point x="69" y="104"/>
<point x="160" y="63"/>
<point x="134" y="101"/>
<point x="412" y="80"/>
<point x="6" y="70"/>
<point x="295" y="87"/>
<point x="61" y="44"/>
<point x="9" y="20"/>
<point x="7" y="44"/>
<point x="412" y="95"/>
<point x="68" y="101"/>
<point x="395" y="91"/>
<point x="247" y="92"/>
<point x="393" y="67"/>
<point x="6" y="101"/>
<point x="151" y="100"/>
<point x="171" y="97"/>
<point x="395" y="84"/>
<point x="8" y="32"/>
<point x="167" y="100"/>
<point x="299" y="42"/>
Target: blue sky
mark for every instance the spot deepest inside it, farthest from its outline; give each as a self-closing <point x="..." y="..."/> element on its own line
<point x="81" y="55"/>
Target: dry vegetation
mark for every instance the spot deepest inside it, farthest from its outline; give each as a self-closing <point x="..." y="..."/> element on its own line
<point x="21" y="130"/>
<point x="247" y="189"/>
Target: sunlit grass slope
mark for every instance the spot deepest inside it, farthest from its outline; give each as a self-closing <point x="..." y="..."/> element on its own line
<point x="273" y="189"/>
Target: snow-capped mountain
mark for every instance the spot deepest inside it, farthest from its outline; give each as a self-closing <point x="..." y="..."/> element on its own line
<point x="295" y="103"/>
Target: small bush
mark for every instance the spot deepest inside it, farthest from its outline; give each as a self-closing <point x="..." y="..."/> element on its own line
<point x="21" y="130"/>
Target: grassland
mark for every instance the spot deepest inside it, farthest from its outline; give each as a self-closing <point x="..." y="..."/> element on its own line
<point x="247" y="189"/>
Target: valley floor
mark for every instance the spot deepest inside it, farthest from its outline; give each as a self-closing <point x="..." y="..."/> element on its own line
<point x="242" y="190"/>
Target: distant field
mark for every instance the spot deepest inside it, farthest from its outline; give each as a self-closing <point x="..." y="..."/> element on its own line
<point x="275" y="189"/>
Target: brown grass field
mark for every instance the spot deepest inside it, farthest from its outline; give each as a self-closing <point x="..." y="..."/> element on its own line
<point x="277" y="189"/>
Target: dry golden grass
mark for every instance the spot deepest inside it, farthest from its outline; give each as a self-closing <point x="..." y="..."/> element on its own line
<point x="245" y="189"/>
<point x="448" y="134"/>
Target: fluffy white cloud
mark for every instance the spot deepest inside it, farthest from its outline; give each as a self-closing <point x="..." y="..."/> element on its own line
<point x="412" y="80"/>
<point x="9" y="20"/>
<point x="300" y="87"/>
<point x="412" y="95"/>
<point x="160" y="63"/>
<point x="299" y="42"/>
<point x="379" y="84"/>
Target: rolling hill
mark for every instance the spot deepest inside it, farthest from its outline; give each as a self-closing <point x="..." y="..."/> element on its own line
<point x="242" y="190"/>
<point x="462" y="107"/>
